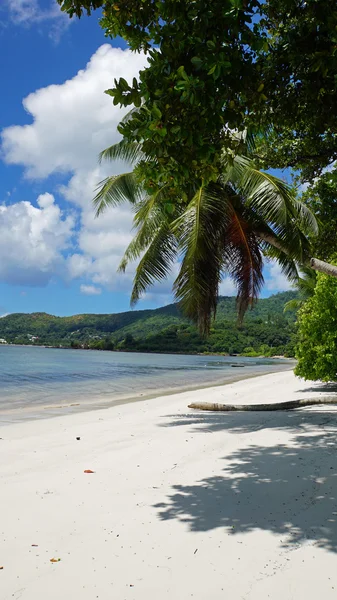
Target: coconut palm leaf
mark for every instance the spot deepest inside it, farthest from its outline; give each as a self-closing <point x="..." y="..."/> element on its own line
<point x="270" y="196"/>
<point x="243" y="261"/>
<point x="146" y="232"/>
<point x="116" y="190"/>
<point x="306" y="286"/>
<point x="199" y="230"/>
<point x="156" y="263"/>
<point x="128" y="151"/>
<point x="151" y="203"/>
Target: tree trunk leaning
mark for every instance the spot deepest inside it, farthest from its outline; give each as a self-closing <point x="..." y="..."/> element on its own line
<point x="213" y="406"/>
<point x="314" y="263"/>
<point x="323" y="267"/>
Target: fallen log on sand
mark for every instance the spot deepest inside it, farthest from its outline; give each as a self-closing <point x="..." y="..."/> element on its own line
<point x="212" y="406"/>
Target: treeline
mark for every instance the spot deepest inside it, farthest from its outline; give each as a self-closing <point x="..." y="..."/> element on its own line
<point x="266" y="330"/>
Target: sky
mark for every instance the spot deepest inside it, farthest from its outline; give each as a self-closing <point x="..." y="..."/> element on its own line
<point x="55" y="256"/>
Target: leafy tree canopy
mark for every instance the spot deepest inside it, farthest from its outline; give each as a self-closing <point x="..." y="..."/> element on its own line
<point x="321" y="198"/>
<point x="223" y="66"/>
<point x="317" y="334"/>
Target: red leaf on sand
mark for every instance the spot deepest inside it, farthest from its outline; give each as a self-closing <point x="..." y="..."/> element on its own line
<point x="89" y="471"/>
<point x="53" y="560"/>
<point x="1" y="568"/>
<point x="35" y="545"/>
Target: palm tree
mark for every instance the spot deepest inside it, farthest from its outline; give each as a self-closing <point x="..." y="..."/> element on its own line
<point x="305" y="284"/>
<point x="213" y="229"/>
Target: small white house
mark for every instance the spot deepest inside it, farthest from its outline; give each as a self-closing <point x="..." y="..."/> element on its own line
<point x="32" y="338"/>
<point x="2" y="341"/>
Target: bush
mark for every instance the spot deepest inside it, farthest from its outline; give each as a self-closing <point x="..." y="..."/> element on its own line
<point x="316" y="349"/>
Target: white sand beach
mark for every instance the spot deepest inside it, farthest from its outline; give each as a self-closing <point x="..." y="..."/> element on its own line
<point x="182" y="504"/>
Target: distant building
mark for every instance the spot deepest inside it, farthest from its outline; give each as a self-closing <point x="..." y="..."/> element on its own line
<point x="2" y="341"/>
<point x="32" y="338"/>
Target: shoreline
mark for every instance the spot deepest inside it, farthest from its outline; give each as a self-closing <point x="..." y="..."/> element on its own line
<point x="126" y="351"/>
<point x="178" y="503"/>
<point x="46" y="411"/>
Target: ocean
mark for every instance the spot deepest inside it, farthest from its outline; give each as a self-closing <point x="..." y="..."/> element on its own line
<point x="37" y="382"/>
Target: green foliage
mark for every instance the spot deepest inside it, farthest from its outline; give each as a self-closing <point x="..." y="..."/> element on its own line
<point x="224" y="65"/>
<point x="321" y="198"/>
<point x="305" y="285"/>
<point x="317" y="333"/>
<point x="214" y="229"/>
<point x="266" y="330"/>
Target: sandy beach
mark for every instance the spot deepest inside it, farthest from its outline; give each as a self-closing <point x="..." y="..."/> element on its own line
<point x="181" y="504"/>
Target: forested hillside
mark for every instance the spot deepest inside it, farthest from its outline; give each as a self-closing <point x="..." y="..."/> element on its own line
<point x="266" y="329"/>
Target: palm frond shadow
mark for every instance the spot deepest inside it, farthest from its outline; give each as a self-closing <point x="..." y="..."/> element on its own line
<point x="287" y="489"/>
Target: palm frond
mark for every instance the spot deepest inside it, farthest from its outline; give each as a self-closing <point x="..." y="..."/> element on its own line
<point x="128" y="151"/>
<point x="156" y="263"/>
<point x="243" y="261"/>
<point x="146" y="233"/>
<point x="115" y="190"/>
<point x="293" y="305"/>
<point x="147" y="205"/>
<point x="271" y="197"/>
<point x="307" y="282"/>
<point x="200" y="232"/>
<point x="130" y="114"/>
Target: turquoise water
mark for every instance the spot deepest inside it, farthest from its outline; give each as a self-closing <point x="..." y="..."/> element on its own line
<point x="40" y="382"/>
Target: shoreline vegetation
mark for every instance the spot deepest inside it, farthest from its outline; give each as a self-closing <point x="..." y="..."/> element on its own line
<point x="266" y="331"/>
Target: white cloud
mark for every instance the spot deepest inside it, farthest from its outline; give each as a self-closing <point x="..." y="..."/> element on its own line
<point x="227" y="287"/>
<point x="29" y="12"/>
<point x="275" y="281"/>
<point x="32" y="240"/>
<point x="71" y="124"/>
<point x="74" y="121"/>
<point x="90" y="290"/>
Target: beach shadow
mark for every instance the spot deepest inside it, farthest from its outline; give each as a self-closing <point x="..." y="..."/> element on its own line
<point x="248" y="422"/>
<point x="289" y="490"/>
<point x="326" y="388"/>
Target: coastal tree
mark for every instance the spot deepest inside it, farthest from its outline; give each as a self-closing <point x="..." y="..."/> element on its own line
<point x="235" y="65"/>
<point x="321" y="197"/>
<point x="317" y="335"/>
<point x="229" y="64"/>
<point x="215" y="228"/>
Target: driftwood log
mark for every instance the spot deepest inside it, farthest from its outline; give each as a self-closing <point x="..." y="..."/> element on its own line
<point x="213" y="406"/>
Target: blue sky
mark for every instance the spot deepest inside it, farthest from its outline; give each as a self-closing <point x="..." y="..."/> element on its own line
<point x="54" y="256"/>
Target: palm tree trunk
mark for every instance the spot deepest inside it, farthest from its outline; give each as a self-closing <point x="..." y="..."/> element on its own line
<point x="314" y="263"/>
<point x="323" y="267"/>
<point x="262" y="407"/>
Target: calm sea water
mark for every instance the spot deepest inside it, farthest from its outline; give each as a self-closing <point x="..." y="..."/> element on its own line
<point x="40" y="382"/>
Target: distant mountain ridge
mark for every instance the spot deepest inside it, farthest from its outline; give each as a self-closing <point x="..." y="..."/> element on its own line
<point x="161" y="329"/>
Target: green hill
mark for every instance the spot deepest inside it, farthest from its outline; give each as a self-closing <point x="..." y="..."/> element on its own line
<point x="266" y="329"/>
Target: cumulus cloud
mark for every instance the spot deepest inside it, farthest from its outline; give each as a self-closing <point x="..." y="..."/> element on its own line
<point x="74" y="121"/>
<point x="32" y="241"/>
<point x="71" y="124"/>
<point x="90" y="290"/>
